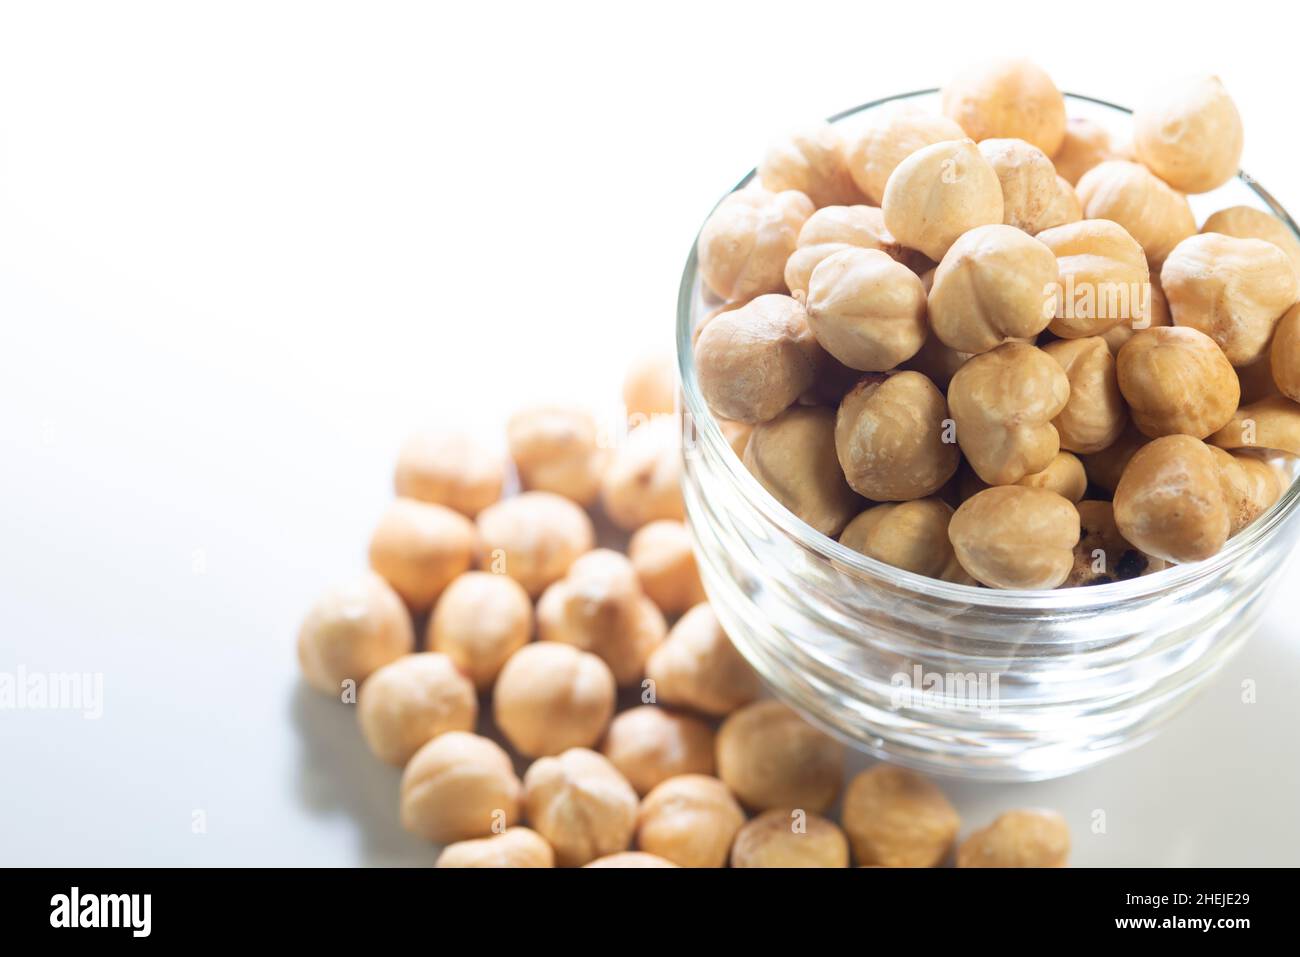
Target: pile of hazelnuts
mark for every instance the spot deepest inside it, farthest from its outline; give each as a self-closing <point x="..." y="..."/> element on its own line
<point x="989" y="345"/>
<point x="615" y="739"/>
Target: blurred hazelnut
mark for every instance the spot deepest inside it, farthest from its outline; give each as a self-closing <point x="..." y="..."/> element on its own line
<point x="447" y="468"/>
<point x="630" y="859"/>
<point x="664" y="560"/>
<point x="650" y="386"/>
<point x="419" y="548"/>
<point x="410" y="701"/>
<point x="581" y="804"/>
<point x="459" y="786"/>
<point x="811" y="160"/>
<point x="770" y="757"/>
<point x="743" y="246"/>
<point x="479" y="622"/>
<point x="550" y="697"/>
<point x="783" y="837"/>
<point x="699" y="668"/>
<point x="1007" y="98"/>
<point x="940" y="192"/>
<point x="1189" y="134"/>
<point x="898" y="818"/>
<point x="1086" y="144"/>
<point x="650" y="744"/>
<point x="534" y="538"/>
<point x="352" y="630"/>
<point x="556" y="450"/>
<point x="876" y="147"/>
<point x="689" y="820"/>
<point x="1247" y="222"/>
<point x="643" y="482"/>
<point x="1027" y="838"/>
<point x="513" y="847"/>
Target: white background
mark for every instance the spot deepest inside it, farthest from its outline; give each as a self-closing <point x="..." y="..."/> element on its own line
<point x="246" y="247"/>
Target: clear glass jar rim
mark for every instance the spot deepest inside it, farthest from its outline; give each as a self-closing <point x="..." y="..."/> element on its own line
<point x="713" y="443"/>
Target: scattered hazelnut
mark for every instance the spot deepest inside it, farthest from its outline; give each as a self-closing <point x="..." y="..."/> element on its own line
<point x="1246" y="222"/>
<point x="513" y="847"/>
<point x="410" y="701"/>
<point x="783" y="837"/>
<point x="909" y="535"/>
<point x="812" y="161"/>
<point x="1028" y="838"/>
<point x="650" y="386"/>
<point x="1189" y="134"/>
<point x="419" y="548"/>
<point x="1104" y="278"/>
<point x="866" y="309"/>
<point x="1176" y="380"/>
<point x="770" y="757"/>
<point x="1028" y="178"/>
<point x="940" y="192"/>
<point x="556" y="450"/>
<point x="877" y="147"/>
<point x="550" y="697"/>
<point x="1094" y="415"/>
<point x="1271" y="423"/>
<point x="699" y="668"/>
<point x="1007" y="98"/>
<point x="1105" y="467"/>
<point x="664" y="560"/>
<point x="351" y="631"/>
<point x="1284" y="354"/>
<point x="479" y="622"/>
<point x="650" y="744"/>
<point x="1086" y="144"/>
<point x="447" y="468"/>
<point x="581" y="805"/>
<point x="1170" y="502"/>
<point x="459" y="786"/>
<point x="898" y="818"/>
<point x="743" y="246"/>
<point x="836" y="228"/>
<point x="1011" y="536"/>
<point x="1153" y="213"/>
<point x="1064" y="475"/>
<point x="689" y="820"/>
<point x="1103" y="555"/>
<point x="643" y="482"/>
<point x="534" y="538"/>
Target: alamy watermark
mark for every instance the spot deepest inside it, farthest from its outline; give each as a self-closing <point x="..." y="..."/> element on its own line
<point x="23" y="690"/>
<point x="974" y="691"/>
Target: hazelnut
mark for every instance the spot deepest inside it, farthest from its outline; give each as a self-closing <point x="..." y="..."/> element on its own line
<point x="1094" y="415"/>
<point x="1170" y="501"/>
<point x="630" y="859"/>
<point x="1007" y="98"/>
<point x="936" y="361"/>
<point x="737" y="435"/>
<point x="1158" y="315"/>
<point x="664" y="561"/>
<point x="770" y="757"/>
<point x="1176" y="380"/>
<point x="1256" y="380"/>
<point x="599" y="607"/>
<point x="459" y="786"/>
<point x="754" y="362"/>
<point x="803" y="261"/>
<point x="940" y="192"/>
<point x="351" y="631"/>
<point x="410" y="701"/>
<point x="743" y="246"/>
<point x="1003" y="403"/>
<point x="866" y="310"/>
<point x="1104" y="279"/>
<point x="557" y="450"/>
<point x="794" y="458"/>
<point x="1064" y="208"/>
<point x="479" y="622"/>
<point x="1064" y="475"/>
<point x="419" y="548"/>
<point x="550" y="697"/>
<point x="643" y="482"/>
<point x="534" y="538"/>
<point x="783" y="837"/>
<point x="1246" y="222"/>
<point x="1189" y="134"/>
<point x="811" y="160"/>
<point x="447" y="468"/>
<point x="1011" y="536"/>
<point x="513" y="847"/>
<point x="1025" y="838"/>
<point x="836" y="228"/>
<point x="1153" y="213"/>
<point x="699" y="668"/>
<point x="892" y="438"/>
<point x="876" y="147"/>
<point x="1271" y="423"/>
<point x="910" y="535"/>
<point x="1284" y="354"/>
<point x="650" y="387"/>
<point x="1105" y="467"/>
<point x="1086" y="144"/>
<point x="581" y="804"/>
<point x="994" y="284"/>
<point x="650" y="744"/>
<point x="1233" y="290"/>
<point x="689" y="820"/>
<point x="898" y="818"/>
<point x="1103" y="555"/>
<point x="1028" y="179"/>
<point x="1250" y="487"/>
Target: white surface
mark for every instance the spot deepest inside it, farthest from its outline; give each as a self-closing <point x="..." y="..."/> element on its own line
<point x="245" y="247"/>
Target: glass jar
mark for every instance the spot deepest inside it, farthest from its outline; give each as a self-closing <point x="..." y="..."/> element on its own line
<point x="956" y="679"/>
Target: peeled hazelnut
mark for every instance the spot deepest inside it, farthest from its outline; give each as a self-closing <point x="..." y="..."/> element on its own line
<point x="1250" y="487"/>
<point x="419" y="548"/>
<point x="351" y="631"/>
<point x="1189" y="134"/>
<point x="409" y="702"/>
<point x="581" y="804"/>
<point x="650" y="386"/>
<point x="743" y="246"/>
<point x="1007" y="98"/>
<point x="1028" y="179"/>
<point x="866" y="310"/>
<point x="1158" y="309"/>
<point x="737" y="435"/>
<point x="994" y="284"/>
<point x="630" y="859"/>
<point x="1094" y="415"/>
<point x="650" y="744"/>
<point x="513" y="847"/>
<point x="534" y="538"/>
<point x="689" y="820"/>
<point x="1065" y="207"/>
<point x="783" y="837"/>
<point x="812" y="161"/>
<point x="1170" y="501"/>
<point x="1246" y="222"/>
<point x="1064" y="476"/>
<point x="1104" y="468"/>
<point x="599" y="607"/>
<point x="1256" y="379"/>
<point x="1176" y="380"/>
<point x="1154" y="214"/>
<point x="447" y="468"/>
<point x="1233" y="290"/>
<point x="1272" y="423"/>
<point x="940" y="192"/>
<point x="664" y="560"/>
<point x="936" y="361"/>
<point x="557" y="450"/>
<point x="898" y="818"/>
<point x="770" y="757"/>
<point x="1104" y="279"/>
<point x="1003" y="403"/>
<point x="550" y="697"/>
<point x="1284" y="354"/>
<point x="1103" y="555"/>
<point x="755" y="361"/>
<point x="643" y="482"/>
<point x="1086" y="144"/>
<point x="877" y="147"/>
<point x="699" y="668"/>
<point x="459" y="786"/>
<point x="1011" y="536"/>
<point x="835" y="228"/>
<point x="479" y="622"/>
<point x="1028" y="838"/>
<point x="909" y="535"/>
<point x="793" y="457"/>
<point x="892" y="438"/>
